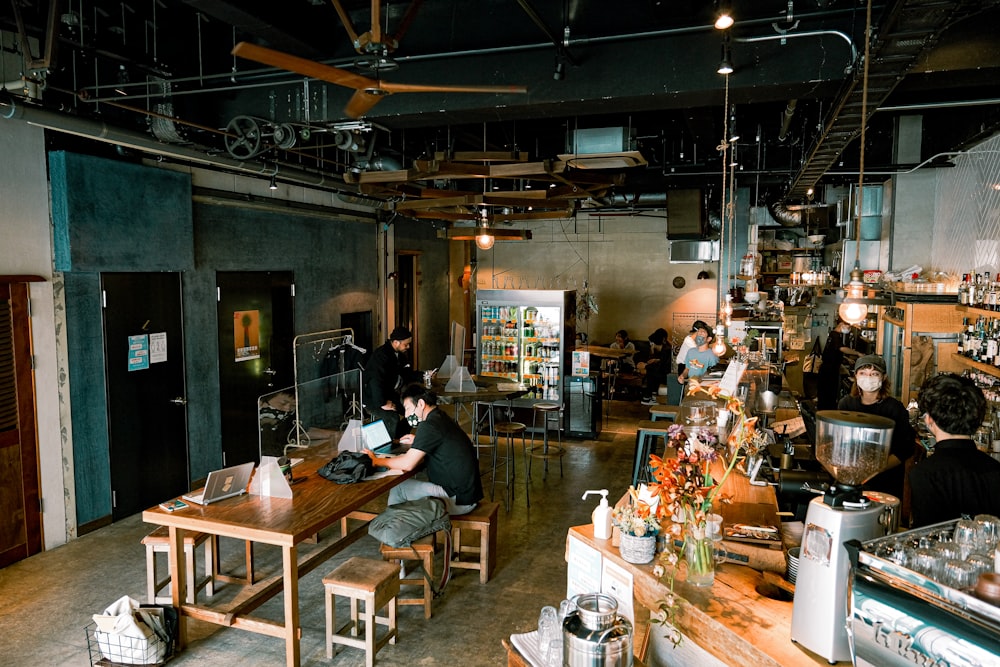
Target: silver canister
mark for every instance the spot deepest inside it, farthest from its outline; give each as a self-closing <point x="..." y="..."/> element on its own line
<point x="594" y="635"/>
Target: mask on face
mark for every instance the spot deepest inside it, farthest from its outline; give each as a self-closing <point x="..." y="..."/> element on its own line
<point x="700" y="340"/>
<point x="413" y="420"/>
<point x="869" y="383"/>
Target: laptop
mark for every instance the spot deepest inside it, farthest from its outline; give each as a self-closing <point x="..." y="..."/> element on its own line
<point x="222" y="484"/>
<point x="375" y="436"/>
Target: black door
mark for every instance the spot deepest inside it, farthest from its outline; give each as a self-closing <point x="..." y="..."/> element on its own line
<point x="255" y="353"/>
<point x="144" y="364"/>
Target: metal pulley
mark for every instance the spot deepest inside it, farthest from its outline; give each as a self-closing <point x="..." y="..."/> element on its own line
<point x="245" y="136"/>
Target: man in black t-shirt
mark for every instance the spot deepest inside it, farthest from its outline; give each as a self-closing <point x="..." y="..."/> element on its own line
<point x="450" y="457"/>
<point x="957" y="479"/>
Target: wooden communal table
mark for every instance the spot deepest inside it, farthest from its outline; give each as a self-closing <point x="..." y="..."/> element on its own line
<point x="316" y="504"/>
<point x="603" y="352"/>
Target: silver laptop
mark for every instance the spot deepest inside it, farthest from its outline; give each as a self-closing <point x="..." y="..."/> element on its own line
<point x="222" y="484"/>
<point x="375" y="436"/>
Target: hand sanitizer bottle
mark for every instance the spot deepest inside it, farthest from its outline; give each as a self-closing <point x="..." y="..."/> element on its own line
<point x="601" y="516"/>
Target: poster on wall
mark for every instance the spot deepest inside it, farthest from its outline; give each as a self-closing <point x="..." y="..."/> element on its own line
<point x="158" y="347"/>
<point x="138" y="353"/>
<point x="246" y="334"/>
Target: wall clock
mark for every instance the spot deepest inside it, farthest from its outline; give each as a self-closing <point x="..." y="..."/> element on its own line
<point x="679" y="282"/>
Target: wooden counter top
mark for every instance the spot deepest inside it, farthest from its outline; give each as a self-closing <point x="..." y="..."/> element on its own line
<point x="730" y="620"/>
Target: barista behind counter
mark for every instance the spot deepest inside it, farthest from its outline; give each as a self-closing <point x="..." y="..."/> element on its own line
<point x="869" y="394"/>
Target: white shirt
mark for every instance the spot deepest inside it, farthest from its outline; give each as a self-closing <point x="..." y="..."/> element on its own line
<point x="686" y="346"/>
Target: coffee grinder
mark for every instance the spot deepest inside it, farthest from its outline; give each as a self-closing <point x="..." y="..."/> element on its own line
<point x="853" y="447"/>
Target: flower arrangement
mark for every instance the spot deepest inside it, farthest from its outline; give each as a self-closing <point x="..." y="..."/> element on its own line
<point x="687" y="490"/>
<point x="636" y="518"/>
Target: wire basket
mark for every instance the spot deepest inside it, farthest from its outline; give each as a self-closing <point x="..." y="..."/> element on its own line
<point x="637" y="550"/>
<point x="109" y="649"/>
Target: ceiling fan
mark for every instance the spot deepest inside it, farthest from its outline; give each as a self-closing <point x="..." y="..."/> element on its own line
<point x="375" y="48"/>
<point x="368" y="92"/>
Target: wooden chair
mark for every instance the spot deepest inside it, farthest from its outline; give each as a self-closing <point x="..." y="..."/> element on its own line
<point x="483" y="519"/>
<point x="373" y="582"/>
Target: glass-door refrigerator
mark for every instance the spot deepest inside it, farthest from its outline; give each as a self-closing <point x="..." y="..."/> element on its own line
<point x="527" y="336"/>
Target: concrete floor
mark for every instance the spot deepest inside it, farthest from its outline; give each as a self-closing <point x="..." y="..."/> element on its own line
<point x="47" y="600"/>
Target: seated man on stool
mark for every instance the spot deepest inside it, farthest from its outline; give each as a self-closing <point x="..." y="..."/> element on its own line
<point x="657" y="366"/>
<point x="957" y="479"/>
<point x="452" y="466"/>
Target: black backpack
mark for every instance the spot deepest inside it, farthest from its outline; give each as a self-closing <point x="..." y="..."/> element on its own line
<point x="347" y="468"/>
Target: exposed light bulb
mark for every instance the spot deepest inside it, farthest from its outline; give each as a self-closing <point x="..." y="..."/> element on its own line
<point x="484" y="240"/>
<point x="853" y="313"/>
<point x="724" y="21"/>
<point x="719" y="346"/>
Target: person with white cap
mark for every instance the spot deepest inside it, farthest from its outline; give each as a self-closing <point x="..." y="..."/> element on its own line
<point x="870" y="394"/>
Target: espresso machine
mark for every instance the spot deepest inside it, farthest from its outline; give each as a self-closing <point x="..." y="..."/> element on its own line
<point x="853" y="447"/>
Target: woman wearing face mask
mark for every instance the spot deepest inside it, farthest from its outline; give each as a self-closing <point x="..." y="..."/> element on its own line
<point x="701" y="358"/>
<point x="869" y="394"/>
<point x="451" y="464"/>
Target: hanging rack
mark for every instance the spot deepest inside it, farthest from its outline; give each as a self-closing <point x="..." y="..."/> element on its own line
<point x="322" y="342"/>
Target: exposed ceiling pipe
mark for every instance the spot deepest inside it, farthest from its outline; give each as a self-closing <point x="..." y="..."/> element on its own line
<point x="786" y="119"/>
<point x="808" y="33"/>
<point x="100" y="131"/>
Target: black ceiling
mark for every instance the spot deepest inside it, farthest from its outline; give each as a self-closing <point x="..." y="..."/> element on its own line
<point x="646" y="65"/>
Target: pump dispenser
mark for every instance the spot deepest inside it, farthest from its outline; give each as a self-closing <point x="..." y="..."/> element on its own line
<point x="601" y="516"/>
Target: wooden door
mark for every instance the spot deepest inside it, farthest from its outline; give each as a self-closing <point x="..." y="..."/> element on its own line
<point x="20" y="512"/>
<point x="144" y="366"/>
<point x="255" y="353"/>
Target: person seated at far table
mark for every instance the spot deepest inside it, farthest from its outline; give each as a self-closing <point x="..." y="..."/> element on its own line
<point x="622" y="342"/>
<point x="700" y="359"/>
<point x="957" y="479"/>
<point x="657" y="366"/>
<point x="452" y="466"/>
<point x="869" y="394"/>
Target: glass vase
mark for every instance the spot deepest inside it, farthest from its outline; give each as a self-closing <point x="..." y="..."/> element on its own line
<point x="699" y="554"/>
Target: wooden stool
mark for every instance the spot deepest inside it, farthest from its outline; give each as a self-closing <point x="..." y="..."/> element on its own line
<point x="158" y="541"/>
<point x="509" y="430"/>
<point x="483" y="519"/>
<point x="373" y="582"/>
<point x="546" y="451"/>
<point x="425" y="551"/>
<point x="658" y="411"/>
<point x="646" y="433"/>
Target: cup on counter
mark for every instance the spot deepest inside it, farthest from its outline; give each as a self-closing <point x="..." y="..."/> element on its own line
<point x="966" y="536"/>
<point x="959" y="574"/>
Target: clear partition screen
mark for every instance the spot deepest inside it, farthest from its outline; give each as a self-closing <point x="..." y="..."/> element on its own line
<point x="308" y="413"/>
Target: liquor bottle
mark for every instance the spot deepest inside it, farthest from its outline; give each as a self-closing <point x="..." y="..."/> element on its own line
<point x="963" y="290"/>
<point x="961" y="336"/>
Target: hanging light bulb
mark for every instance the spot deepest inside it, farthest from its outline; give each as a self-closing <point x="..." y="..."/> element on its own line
<point x="484" y="240"/>
<point x="719" y="346"/>
<point x="724" y="18"/>
<point x="851" y="310"/>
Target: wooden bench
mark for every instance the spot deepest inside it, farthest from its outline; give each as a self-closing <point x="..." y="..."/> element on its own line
<point x="375" y="583"/>
<point x="425" y="553"/>
<point x="483" y="519"/>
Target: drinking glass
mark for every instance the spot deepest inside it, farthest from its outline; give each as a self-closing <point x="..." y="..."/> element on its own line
<point x="988" y="527"/>
<point x="981" y="562"/>
<point x="948" y="550"/>
<point x="927" y="562"/>
<point x="959" y="574"/>
<point x="966" y="531"/>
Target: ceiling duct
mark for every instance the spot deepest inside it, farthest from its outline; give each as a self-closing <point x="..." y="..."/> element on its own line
<point x="783" y="215"/>
<point x="603" y="148"/>
<point x="628" y="201"/>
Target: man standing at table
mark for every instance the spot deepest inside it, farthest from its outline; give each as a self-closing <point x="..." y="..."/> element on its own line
<point x="387" y="372"/>
<point x="452" y="466"/>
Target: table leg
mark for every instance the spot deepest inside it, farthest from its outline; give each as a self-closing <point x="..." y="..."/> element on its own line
<point x="177" y="581"/>
<point x="290" y="570"/>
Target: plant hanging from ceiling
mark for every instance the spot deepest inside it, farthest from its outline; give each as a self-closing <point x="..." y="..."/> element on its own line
<point x="587" y="304"/>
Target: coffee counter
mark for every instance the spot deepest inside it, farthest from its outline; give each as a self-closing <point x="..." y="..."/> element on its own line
<point x="730" y="620"/>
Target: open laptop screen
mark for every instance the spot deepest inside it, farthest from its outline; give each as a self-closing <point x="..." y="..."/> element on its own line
<point x="376" y="437"/>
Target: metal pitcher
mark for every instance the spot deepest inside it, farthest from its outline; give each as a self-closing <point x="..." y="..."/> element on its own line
<point x="594" y="635"/>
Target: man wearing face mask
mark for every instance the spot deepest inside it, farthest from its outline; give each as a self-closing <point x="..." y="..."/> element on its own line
<point x="450" y="457"/>
<point x="700" y="359"/>
<point x="869" y="394"/>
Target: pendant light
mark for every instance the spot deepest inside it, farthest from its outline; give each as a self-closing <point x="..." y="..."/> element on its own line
<point x="484" y="237"/>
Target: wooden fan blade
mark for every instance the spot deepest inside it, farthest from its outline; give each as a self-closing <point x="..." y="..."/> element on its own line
<point x="418" y="88"/>
<point x="360" y="103"/>
<point x="309" y="68"/>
